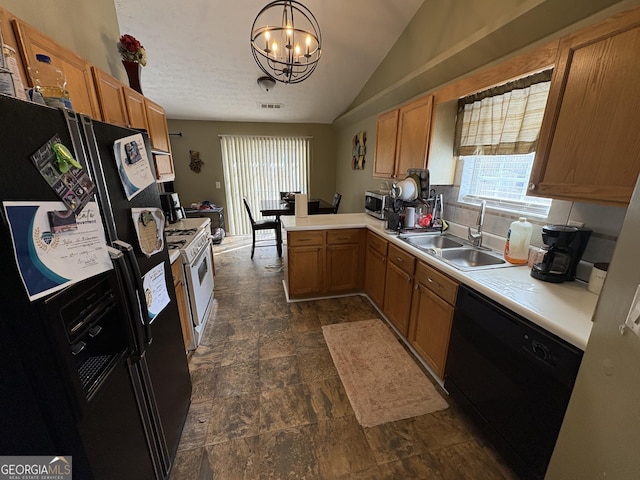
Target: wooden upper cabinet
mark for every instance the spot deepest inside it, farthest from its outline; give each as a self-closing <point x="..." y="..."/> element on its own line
<point x="110" y="98"/>
<point x="589" y="146"/>
<point x="77" y="70"/>
<point x="159" y="138"/>
<point x="402" y="136"/>
<point x="158" y="130"/>
<point x="136" y="110"/>
<point x="386" y="135"/>
<point x="413" y="135"/>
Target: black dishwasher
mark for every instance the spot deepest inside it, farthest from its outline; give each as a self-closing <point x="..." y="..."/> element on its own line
<point x="512" y="377"/>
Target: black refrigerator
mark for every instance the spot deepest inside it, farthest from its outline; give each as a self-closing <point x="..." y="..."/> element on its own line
<point x="85" y="372"/>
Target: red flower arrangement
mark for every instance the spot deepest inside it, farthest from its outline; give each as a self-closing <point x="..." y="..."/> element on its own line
<point x="132" y="50"/>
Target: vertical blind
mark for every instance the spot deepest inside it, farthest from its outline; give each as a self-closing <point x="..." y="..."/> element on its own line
<point x="259" y="168"/>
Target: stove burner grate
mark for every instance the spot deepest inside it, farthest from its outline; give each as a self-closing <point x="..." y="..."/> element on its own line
<point x="176" y="244"/>
<point x="181" y="231"/>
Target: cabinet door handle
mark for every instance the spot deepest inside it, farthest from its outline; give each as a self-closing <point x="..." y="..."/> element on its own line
<point x="408" y="279"/>
<point x="399" y="259"/>
<point x="304" y="239"/>
<point x="433" y="282"/>
<point x="532" y="187"/>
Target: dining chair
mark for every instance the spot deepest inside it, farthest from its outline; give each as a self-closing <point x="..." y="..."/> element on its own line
<point x="313" y="206"/>
<point x="263" y="225"/>
<point x="284" y="194"/>
<point x="336" y="201"/>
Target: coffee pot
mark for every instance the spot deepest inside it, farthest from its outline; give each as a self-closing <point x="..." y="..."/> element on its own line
<point x="565" y="246"/>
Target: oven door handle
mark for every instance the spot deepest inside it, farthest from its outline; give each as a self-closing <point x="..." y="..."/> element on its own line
<point x="134" y="269"/>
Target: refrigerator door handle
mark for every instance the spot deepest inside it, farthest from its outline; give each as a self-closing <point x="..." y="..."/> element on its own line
<point x="137" y="277"/>
<point x="131" y="301"/>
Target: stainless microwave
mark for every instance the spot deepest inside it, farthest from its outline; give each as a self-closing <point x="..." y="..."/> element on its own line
<point x="376" y="204"/>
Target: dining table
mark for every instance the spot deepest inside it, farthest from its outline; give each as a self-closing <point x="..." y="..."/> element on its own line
<point x="271" y="208"/>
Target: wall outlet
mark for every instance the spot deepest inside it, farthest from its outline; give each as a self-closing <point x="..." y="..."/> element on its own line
<point x="217" y="184"/>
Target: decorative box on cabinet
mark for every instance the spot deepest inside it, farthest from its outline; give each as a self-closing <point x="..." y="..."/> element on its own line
<point x="587" y="149"/>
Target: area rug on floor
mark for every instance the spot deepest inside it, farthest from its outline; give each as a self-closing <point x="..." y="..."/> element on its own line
<point x="382" y="381"/>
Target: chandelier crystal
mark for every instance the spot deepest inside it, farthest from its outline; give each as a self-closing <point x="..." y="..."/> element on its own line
<point x="286" y="41"/>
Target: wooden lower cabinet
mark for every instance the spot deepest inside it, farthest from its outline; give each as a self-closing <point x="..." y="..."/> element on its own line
<point x="306" y="271"/>
<point x="375" y="271"/>
<point x="323" y="262"/>
<point x="416" y="298"/>
<point x="432" y="316"/>
<point x="342" y="268"/>
<point x="397" y="297"/>
<point x="181" y="298"/>
<point x="398" y="288"/>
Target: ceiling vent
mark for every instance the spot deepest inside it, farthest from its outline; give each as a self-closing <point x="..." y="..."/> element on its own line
<point x="270" y="106"/>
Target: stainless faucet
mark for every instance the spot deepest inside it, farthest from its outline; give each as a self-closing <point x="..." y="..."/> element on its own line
<point x="476" y="238"/>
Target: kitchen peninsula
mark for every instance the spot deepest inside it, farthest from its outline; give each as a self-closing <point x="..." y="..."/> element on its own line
<point x="562" y="309"/>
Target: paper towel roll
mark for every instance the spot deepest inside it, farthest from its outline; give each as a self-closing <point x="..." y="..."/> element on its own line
<point x="409" y="217"/>
<point x="301" y="205"/>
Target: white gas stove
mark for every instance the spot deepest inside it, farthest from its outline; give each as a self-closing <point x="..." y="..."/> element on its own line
<point x="190" y="241"/>
<point x="192" y="238"/>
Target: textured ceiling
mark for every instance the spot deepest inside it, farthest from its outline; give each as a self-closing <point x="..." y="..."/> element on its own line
<point x="200" y="65"/>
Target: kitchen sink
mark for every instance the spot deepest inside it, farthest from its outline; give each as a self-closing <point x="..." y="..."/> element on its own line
<point x="432" y="241"/>
<point x="456" y="251"/>
<point x="471" y="258"/>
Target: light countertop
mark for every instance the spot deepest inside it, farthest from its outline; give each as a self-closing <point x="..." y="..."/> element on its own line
<point x="199" y="222"/>
<point x="564" y="309"/>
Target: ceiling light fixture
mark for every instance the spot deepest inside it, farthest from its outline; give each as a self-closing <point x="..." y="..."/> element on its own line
<point x="266" y="83"/>
<point x="286" y="41"/>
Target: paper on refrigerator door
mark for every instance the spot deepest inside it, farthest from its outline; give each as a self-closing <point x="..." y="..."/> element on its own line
<point x="49" y="260"/>
<point x="301" y="205"/>
<point x="149" y="223"/>
<point x="133" y="164"/>
<point x="155" y="290"/>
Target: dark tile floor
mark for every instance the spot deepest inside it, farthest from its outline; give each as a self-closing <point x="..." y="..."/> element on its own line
<point x="268" y="403"/>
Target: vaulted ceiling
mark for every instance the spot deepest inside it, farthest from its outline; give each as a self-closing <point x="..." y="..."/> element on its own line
<point x="200" y="65"/>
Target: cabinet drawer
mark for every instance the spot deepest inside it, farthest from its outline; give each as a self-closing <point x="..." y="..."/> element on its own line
<point x="378" y="243"/>
<point x="311" y="237"/>
<point x="403" y="260"/>
<point x="437" y="282"/>
<point x="337" y="237"/>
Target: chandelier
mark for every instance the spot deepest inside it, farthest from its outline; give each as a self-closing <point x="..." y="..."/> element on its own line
<point x="286" y="41"/>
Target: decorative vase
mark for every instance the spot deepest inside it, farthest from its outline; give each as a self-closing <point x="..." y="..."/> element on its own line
<point x="133" y="72"/>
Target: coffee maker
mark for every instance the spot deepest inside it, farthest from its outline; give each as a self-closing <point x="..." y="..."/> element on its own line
<point x="565" y="246"/>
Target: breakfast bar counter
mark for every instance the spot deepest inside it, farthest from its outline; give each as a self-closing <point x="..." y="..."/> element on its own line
<point x="564" y="309"/>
